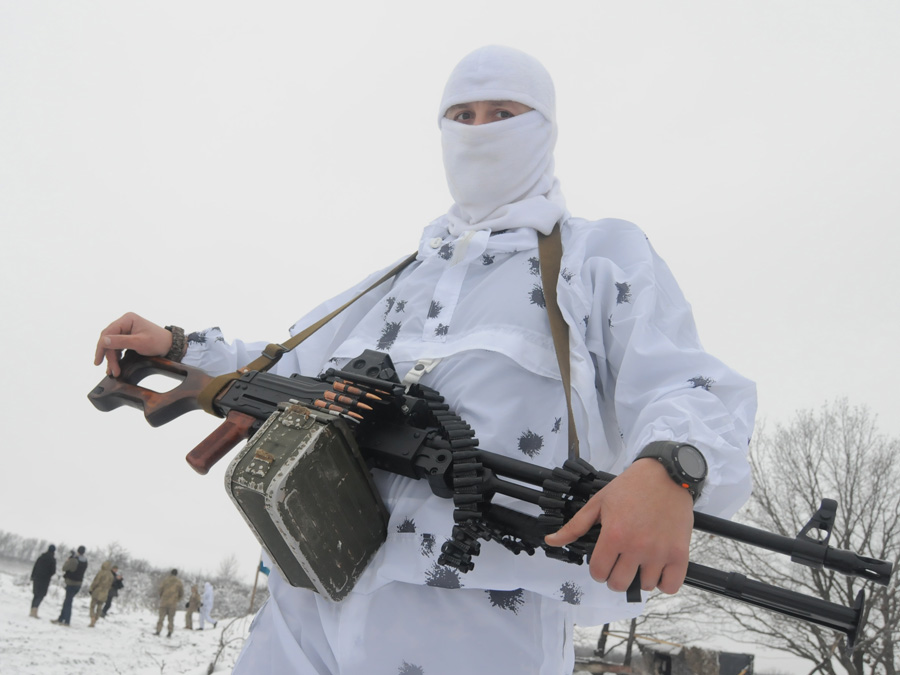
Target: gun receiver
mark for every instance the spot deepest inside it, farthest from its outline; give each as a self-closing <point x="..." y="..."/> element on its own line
<point x="415" y="434"/>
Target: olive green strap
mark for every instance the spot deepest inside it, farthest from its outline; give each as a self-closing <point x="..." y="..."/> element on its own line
<point x="273" y="352"/>
<point x="550" y="253"/>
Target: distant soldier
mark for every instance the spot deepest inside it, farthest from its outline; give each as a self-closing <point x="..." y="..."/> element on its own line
<point x="117" y="585"/>
<point x="193" y="605"/>
<point x="100" y="586"/>
<point x="171" y="591"/>
<point x="73" y="573"/>
<point x="41" y="574"/>
<point x="206" y="605"/>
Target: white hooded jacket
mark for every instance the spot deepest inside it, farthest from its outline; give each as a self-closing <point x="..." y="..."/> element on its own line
<point x="639" y="374"/>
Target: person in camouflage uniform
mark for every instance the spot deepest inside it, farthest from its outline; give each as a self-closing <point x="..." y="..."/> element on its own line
<point x="100" y="586"/>
<point x="193" y="605"/>
<point x="171" y="591"/>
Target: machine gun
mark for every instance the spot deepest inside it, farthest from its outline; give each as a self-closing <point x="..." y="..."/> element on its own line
<point x="303" y="486"/>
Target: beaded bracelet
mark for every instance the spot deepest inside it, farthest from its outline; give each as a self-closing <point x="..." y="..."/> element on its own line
<point x="179" y="344"/>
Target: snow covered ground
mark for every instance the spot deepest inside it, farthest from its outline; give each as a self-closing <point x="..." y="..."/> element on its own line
<point x="121" y="644"/>
<point x="124" y="643"/>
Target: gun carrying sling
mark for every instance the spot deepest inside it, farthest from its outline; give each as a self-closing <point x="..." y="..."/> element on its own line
<point x="274" y="351"/>
<point x="550" y="253"/>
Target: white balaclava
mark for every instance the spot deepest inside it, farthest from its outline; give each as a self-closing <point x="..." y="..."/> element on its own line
<point x="500" y="174"/>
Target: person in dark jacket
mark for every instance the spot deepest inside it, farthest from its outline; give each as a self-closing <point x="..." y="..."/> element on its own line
<point x="118" y="584"/>
<point x="43" y="570"/>
<point x="73" y="572"/>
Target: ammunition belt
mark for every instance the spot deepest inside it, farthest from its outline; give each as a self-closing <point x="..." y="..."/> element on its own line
<point x="472" y="502"/>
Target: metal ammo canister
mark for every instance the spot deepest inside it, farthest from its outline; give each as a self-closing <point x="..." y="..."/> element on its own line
<point x="306" y="492"/>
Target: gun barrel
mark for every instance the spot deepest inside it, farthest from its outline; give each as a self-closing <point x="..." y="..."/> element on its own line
<point x="838" y="560"/>
<point x="853" y="564"/>
<point x="806" y="550"/>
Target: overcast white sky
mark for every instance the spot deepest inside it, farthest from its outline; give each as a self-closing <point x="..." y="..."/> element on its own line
<point x="233" y="164"/>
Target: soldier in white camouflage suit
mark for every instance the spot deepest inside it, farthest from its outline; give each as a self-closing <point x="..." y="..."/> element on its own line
<point x="472" y="307"/>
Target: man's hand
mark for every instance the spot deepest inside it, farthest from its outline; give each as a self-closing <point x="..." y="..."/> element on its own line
<point x="130" y="331"/>
<point x="646" y="523"/>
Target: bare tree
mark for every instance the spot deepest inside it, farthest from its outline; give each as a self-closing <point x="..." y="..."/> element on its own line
<point x="228" y="568"/>
<point x="115" y="553"/>
<point x="836" y="453"/>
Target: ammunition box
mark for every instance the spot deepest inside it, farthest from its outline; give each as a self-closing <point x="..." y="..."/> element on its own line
<point x="304" y="489"/>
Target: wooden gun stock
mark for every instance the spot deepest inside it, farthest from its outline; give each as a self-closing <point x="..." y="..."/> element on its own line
<point x="159" y="408"/>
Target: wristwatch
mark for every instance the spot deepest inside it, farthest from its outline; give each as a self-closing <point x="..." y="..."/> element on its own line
<point x="683" y="462"/>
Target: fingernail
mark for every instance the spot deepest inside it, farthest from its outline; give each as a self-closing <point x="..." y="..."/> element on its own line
<point x="107" y="341"/>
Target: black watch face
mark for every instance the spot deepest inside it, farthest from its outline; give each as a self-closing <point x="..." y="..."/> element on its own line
<point x="691" y="462"/>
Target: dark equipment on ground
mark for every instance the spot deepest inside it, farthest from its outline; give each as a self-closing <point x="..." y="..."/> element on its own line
<point x="302" y="481"/>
